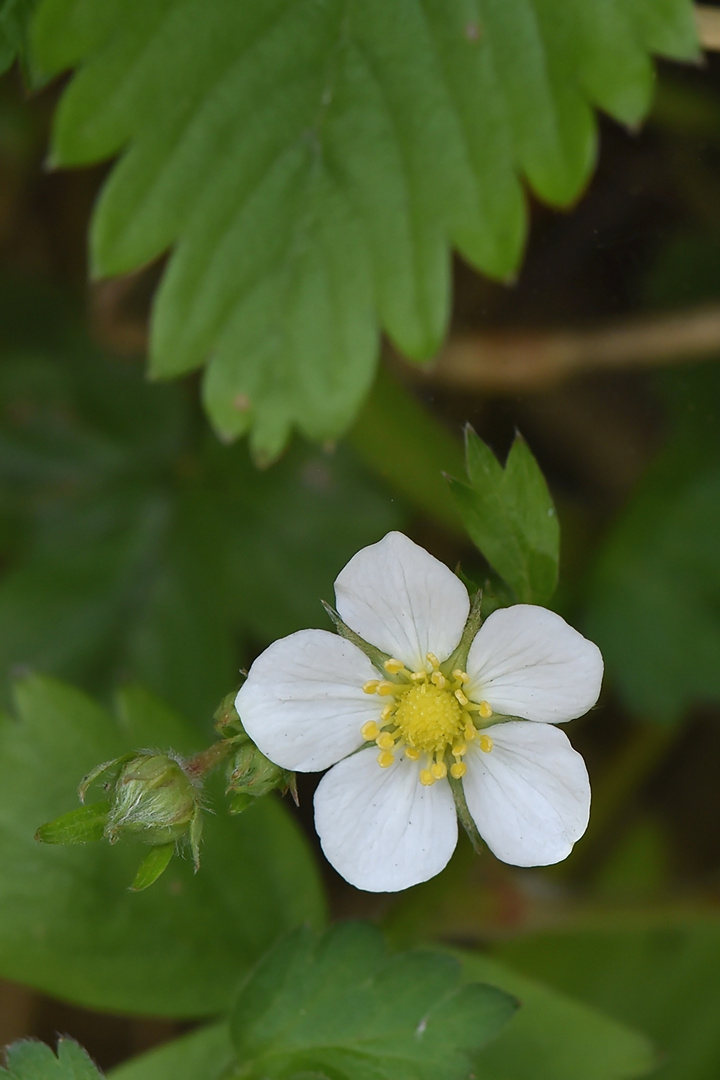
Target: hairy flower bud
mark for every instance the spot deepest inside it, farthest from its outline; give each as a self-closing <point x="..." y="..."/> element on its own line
<point x="152" y="798"/>
<point x="252" y="775"/>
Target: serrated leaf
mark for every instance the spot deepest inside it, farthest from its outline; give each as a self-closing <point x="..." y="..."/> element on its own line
<point x="336" y="1005"/>
<point x="33" y="1060"/>
<point x="69" y="924"/>
<point x="301" y="219"/>
<point x="510" y="516"/>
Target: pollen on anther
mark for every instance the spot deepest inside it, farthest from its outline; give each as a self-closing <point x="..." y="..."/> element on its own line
<point x="461" y="697"/>
<point x="371" y="686"/>
<point x="385" y="759"/>
<point x="460" y="675"/>
<point x="432" y="660"/>
<point x="385" y="741"/>
<point x="486" y="743"/>
<point x="485" y="710"/>
<point x="458" y="770"/>
<point x="387" y="711"/>
<point x="470" y="731"/>
<point x="426" y="778"/>
<point x="370" y="731"/>
<point x="385" y="687"/>
<point x="439" y="770"/>
<point x="393" y="666"/>
<point x="438" y="679"/>
<point x="459" y="750"/>
<point x="412" y="753"/>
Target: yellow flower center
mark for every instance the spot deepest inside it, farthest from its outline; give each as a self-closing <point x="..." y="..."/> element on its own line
<point x="427" y="715"/>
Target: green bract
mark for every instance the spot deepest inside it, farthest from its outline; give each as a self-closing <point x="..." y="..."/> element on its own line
<point x="311" y="166"/>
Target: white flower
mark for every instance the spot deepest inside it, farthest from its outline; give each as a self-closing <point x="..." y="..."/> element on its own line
<point x="385" y="812"/>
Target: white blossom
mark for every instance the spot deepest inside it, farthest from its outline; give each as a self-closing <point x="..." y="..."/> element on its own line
<point x="392" y="735"/>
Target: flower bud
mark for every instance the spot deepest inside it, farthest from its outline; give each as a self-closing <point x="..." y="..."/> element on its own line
<point x="250" y="773"/>
<point x="154" y="799"/>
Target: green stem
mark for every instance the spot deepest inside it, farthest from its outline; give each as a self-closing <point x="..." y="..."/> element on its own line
<point x="465" y="817"/>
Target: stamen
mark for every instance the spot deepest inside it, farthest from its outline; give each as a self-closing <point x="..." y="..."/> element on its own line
<point x="371" y="686"/>
<point x="439" y="679"/>
<point x="486" y="744"/>
<point x="461" y="697"/>
<point x="388" y="710"/>
<point x="385" y="741"/>
<point x="485" y="710"/>
<point x="385" y="759"/>
<point x="392" y="666"/>
<point x="460" y="675"/>
<point x="418" y="676"/>
<point x="370" y="731"/>
<point x="412" y="753"/>
<point x="385" y="687"/>
<point x="426" y="778"/>
<point x="458" y="769"/>
<point x="459" y="750"/>
<point x="439" y="770"/>
<point x="432" y="660"/>
<point x="470" y="731"/>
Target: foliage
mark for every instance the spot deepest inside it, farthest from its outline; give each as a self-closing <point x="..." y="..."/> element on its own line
<point x="660" y="568"/>
<point x="510" y="516"/>
<point x="134" y="542"/>
<point x="656" y="970"/>
<point x="68" y="923"/>
<point x="301" y="221"/>
<point x="32" y="1060"/>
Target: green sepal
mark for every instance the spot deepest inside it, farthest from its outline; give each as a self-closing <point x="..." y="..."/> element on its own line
<point x="458" y="659"/>
<point x="80" y="826"/>
<point x="153" y="865"/>
<point x="240" y="802"/>
<point x="375" y="656"/>
<point x="97" y="772"/>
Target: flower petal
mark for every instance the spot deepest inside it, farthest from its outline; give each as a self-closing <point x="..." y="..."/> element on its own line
<point x="530" y="795"/>
<point x="381" y="828"/>
<point x="398" y="597"/>
<point x="303" y="704"/>
<point x="526" y="661"/>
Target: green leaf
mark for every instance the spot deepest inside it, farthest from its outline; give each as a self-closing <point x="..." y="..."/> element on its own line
<point x="510" y="516"/>
<point x="15" y="16"/>
<point x="206" y="1054"/>
<point x="654" y="594"/>
<point x="83" y="825"/>
<point x="32" y="1060"/>
<point x="153" y="865"/>
<point x="552" y="1036"/>
<point x="336" y="1005"/>
<point x="69" y="924"/>
<point x="655" y="970"/>
<point x="301" y="222"/>
<point x="133" y="544"/>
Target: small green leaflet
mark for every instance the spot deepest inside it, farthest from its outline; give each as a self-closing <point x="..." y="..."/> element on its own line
<point x="337" y="1005"/>
<point x="311" y="165"/>
<point x="15" y="16"/>
<point x="510" y="516"/>
<point x="32" y="1060"/>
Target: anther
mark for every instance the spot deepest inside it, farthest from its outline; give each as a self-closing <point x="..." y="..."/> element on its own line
<point x="486" y="743"/>
<point x="460" y="675"/>
<point x="426" y="778"/>
<point x="385" y="687"/>
<point x="412" y="753"/>
<point x="459" y="750"/>
<point x="470" y="731"/>
<point x="461" y="697"/>
<point x="458" y="769"/>
<point x="385" y="741"/>
<point x="438" y="679"/>
<point x="385" y="759"/>
<point x="432" y="660"/>
<point x="371" y="686"/>
<point x="418" y="676"/>
<point x="393" y="666"/>
<point x="485" y="710"/>
<point x="439" y="770"/>
<point x="388" y="710"/>
<point x="370" y="731"/>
